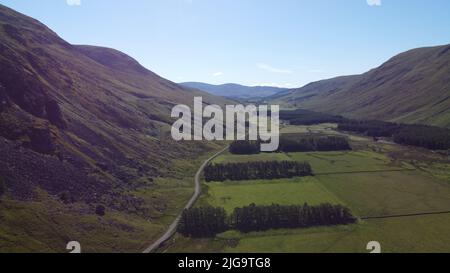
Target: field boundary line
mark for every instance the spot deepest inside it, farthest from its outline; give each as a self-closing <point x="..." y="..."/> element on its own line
<point x="376" y="171"/>
<point x="404" y="215"/>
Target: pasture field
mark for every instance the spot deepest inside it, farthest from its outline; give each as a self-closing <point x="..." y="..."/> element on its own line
<point x="428" y="233"/>
<point x="326" y="162"/>
<point x="387" y="193"/>
<point x="343" y="162"/>
<point x="294" y="191"/>
<point x="375" y="179"/>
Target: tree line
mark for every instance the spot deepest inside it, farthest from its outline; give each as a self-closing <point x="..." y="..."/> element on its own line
<point x="207" y="222"/>
<point x="294" y="143"/>
<point x="371" y="128"/>
<point x="256" y="170"/>
<point x="429" y="137"/>
<point x="306" y="117"/>
<point x="310" y="143"/>
<point x="203" y="222"/>
<point x="245" y="147"/>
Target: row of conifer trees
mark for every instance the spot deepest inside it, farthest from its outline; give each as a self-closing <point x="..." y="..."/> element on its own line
<point x="205" y="222"/>
<point x="256" y="170"/>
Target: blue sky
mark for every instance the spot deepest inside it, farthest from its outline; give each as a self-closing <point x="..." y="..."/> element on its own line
<point x="254" y="42"/>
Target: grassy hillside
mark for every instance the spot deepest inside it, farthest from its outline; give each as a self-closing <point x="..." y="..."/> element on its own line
<point x="412" y="87"/>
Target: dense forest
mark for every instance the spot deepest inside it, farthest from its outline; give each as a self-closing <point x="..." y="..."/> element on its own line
<point x="429" y="137"/>
<point x="371" y="128"/>
<point x="434" y="138"/>
<point x="245" y="147"/>
<point x="310" y="143"/>
<point x="306" y="117"/>
<point x="207" y="222"/>
<point x="256" y="170"/>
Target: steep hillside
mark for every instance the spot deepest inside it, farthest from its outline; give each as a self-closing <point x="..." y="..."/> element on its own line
<point x="235" y="91"/>
<point x="411" y="87"/>
<point x="86" y="124"/>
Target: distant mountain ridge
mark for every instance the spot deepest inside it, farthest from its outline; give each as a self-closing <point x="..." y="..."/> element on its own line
<point x="412" y="87"/>
<point x="235" y="91"/>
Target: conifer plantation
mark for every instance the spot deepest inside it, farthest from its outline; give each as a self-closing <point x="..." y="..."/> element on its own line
<point x="203" y="222"/>
<point x="206" y="222"/>
<point x="256" y="170"/>
<point x="430" y="137"/>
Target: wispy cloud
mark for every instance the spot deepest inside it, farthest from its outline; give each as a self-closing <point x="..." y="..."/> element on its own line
<point x="272" y="69"/>
<point x="374" y="2"/>
<point x="217" y="74"/>
<point x="73" y="2"/>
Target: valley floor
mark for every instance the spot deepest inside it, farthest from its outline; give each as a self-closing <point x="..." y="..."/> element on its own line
<point x="374" y="179"/>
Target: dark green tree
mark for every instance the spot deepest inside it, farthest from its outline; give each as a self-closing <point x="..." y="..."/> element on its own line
<point x="100" y="210"/>
<point x="2" y="186"/>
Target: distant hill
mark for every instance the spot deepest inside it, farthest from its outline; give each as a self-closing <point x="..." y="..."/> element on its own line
<point x="412" y="87"/>
<point x="235" y="91"/>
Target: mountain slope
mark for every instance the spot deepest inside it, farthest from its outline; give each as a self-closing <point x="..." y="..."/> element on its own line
<point x="412" y="87"/>
<point x="87" y="125"/>
<point x="83" y="127"/>
<point x="236" y="91"/>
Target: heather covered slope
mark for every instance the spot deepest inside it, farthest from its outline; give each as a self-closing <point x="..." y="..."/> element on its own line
<point x="82" y="127"/>
<point x="412" y="87"/>
<point x="87" y="113"/>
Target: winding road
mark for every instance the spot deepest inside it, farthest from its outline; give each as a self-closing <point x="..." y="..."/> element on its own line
<point x="198" y="189"/>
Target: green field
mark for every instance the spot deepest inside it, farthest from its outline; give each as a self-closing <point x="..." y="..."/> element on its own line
<point x="326" y="162"/>
<point x="411" y="234"/>
<point x="375" y="179"/>
<point x="231" y="195"/>
<point x="387" y="193"/>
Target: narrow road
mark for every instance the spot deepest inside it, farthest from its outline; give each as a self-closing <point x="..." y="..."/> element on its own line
<point x="198" y="189"/>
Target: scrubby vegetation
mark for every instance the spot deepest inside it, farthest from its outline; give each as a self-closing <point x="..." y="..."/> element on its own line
<point x="209" y="221"/>
<point x="256" y="170"/>
<point x="100" y="210"/>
